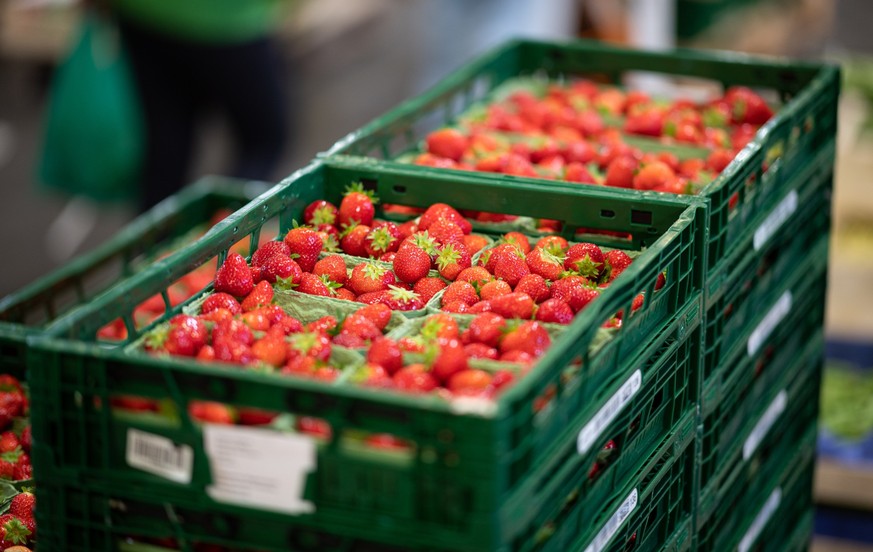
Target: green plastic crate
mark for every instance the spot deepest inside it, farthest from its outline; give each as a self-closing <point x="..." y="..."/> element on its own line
<point x="477" y="468"/>
<point x="785" y="418"/>
<point x="739" y="196"/>
<point x="29" y="310"/>
<point x="764" y="518"/>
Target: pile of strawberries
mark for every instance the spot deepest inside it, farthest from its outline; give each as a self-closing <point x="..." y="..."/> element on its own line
<point x="17" y="526"/>
<point x="576" y="132"/>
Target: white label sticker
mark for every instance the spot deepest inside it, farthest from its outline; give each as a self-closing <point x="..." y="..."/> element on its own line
<point x="761" y="520"/>
<point x="612" y="525"/>
<point x="774" y="220"/>
<point x="779" y="311"/>
<point x="592" y="430"/>
<point x="159" y="455"/>
<point x="259" y="468"/>
<point x="776" y="408"/>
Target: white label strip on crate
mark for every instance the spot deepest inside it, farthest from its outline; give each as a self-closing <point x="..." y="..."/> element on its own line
<point x="779" y="311"/>
<point x="614" y="523"/>
<point x="607" y="413"/>
<point x="775" y="220"/>
<point x="259" y="468"/>
<point x="160" y="456"/>
<point x="761" y="520"/>
<point x="776" y="408"/>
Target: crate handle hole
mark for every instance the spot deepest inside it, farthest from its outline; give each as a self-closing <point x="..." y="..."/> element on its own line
<point x="400" y="189"/>
<point x="370" y="184"/>
<point x="641" y="217"/>
<point x="607" y="213"/>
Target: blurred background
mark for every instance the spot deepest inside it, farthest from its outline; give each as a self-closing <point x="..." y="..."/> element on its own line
<point x="344" y="63"/>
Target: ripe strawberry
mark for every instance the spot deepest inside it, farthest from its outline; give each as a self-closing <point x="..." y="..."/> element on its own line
<point x="474" y="242"/>
<point x="232" y="330"/>
<point x="574" y="290"/>
<point x="7" y="469"/>
<point x="332" y="266"/>
<point x="8" y="442"/>
<point x="486" y="328"/>
<point x="415" y="378"/>
<point x="232" y="351"/>
<point x="480" y="350"/>
<point x="535" y="286"/>
<point x="718" y="160"/>
<point x="489" y="258"/>
<point x="747" y="106"/>
<point x="617" y="261"/>
<point x="457" y="307"/>
<point x="662" y="279"/>
<point x="257" y="273"/>
<point x="257" y="320"/>
<point x="545" y="264"/>
<point x="513" y="305"/>
<point x="511" y="267"/>
<point x="381" y="240"/>
<point x="22" y="506"/>
<point x="373" y="375"/>
<point x="517" y="357"/>
<point x="463" y="292"/>
<point x="654" y="175"/>
<point x="315" y="285"/>
<point x="12" y="532"/>
<point x="441" y="210"/>
<point x="26" y="438"/>
<point x="255" y="416"/>
<point x="269" y="249"/>
<point x="386" y="353"/>
<point x="356" y="206"/>
<point x="306" y="244"/>
<point x="480" y="307"/>
<point x="184" y="336"/>
<point x="319" y="212"/>
<point x="360" y="326"/>
<point x="373" y="298"/>
<point x="312" y="344"/>
<point x="211" y="412"/>
<point x="325" y="324"/>
<point x="260" y="296"/>
<point x="530" y="337"/>
<point x="447" y="142"/>
<point x="556" y="311"/>
<point x="585" y="259"/>
<point x="271" y="350"/>
<point x="448" y="358"/>
<point x="469" y="380"/>
<point x="234" y="276"/>
<point x="577" y="172"/>
<point x="494" y="288"/>
<point x="379" y="314"/>
<point x="620" y="173"/>
<point x="445" y="231"/>
<point x="426" y="288"/>
<point x="353" y="238"/>
<point x="370" y="277"/>
<point x="401" y="299"/>
<point x="411" y="263"/>
<point x="452" y="259"/>
<point x="349" y="340"/>
<point x="439" y="326"/>
<point x="517" y="239"/>
<point x="283" y="270"/>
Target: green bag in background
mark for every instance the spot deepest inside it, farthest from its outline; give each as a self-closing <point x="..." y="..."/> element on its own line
<point x="94" y="138"/>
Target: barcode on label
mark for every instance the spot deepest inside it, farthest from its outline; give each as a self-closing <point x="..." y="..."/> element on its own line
<point x="761" y="520"/>
<point x="159" y="455"/>
<point x="776" y="408"/>
<point x="779" y="311"/>
<point x="614" y="523"/>
<point x="774" y="220"/>
<point x="592" y="430"/>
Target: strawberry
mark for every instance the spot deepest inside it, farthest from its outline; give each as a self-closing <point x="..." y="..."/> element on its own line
<point x="463" y="292"/>
<point x="545" y="264"/>
<point x="370" y="277"/>
<point x="494" y="288"/>
<point x="306" y="244"/>
<point x="319" y="212"/>
<point x="12" y="532"/>
<point x="271" y="350"/>
<point x="349" y="340"/>
<point x="282" y="269"/>
<point x="441" y="210"/>
<point x="620" y="173"/>
<point x="556" y="311"/>
<point x="662" y="279"/>
<point x="469" y="380"/>
<point x="486" y="328"/>
<point x="373" y="298"/>
<point x="7" y="469"/>
<point x="232" y="330"/>
<point x="312" y="344"/>
<point x="426" y="288"/>
<point x="257" y="273"/>
<point x="373" y="375"/>
<point x="360" y="326"/>
<point x="480" y="350"/>
<point x="474" y="242"/>
<point x="577" y="172"/>
<point x="22" y="506"/>
<point x="585" y="259"/>
<point x="268" y="250"/>
<point x="381" y="240"/>
<point x="452" y="259"/>
<point x="535" y="286"/>
<point x="206" y="354"/>
<point x="255" y="416"/>
<point x="411" y="263"/>
<point x="445" y="231"/>
<point x="617" y="261"/>
<point x="458" y="307"/>
<point x="26" y="438"/>
<point x="747" y="106"/>
<point x="332" y="266"/>
<point x="517" y="357"/>
<point x="353" y="239"/>
<point x="480" y="307"/>
<point x="654" y="175"/>
<point x="415" y="378"/>
<point x="477" y="275"/>
<point x="638" y="302"/>
<point x="517" y="239"/>
<point x="489" y="258"/>
<point x="260" y="296"/>
<point x="211" y="412"/>
<point x="447" y="142"/>
<point x="718" y="160"/>
<point x="257" y="320"/>
<point x="513" y="305"/>
<point x="530" y="337"/>
<point x="356" y="206"/>
<point x="315" y="285"/>
<point x="511" y="267"/>
<point x="386" y="353"/>
<point x="232" y="351"/>
<point x="8" y="442"/>
<point x="403" y="299"/>
<point x="439" y="325"/>
<point x="574" y="290"/>
<point x="379" y="314"/>
<point x="324" y="324"/>
<point x="448" y="357"/>
<point x="184" y="336"/>
<point x="234" y="276"/>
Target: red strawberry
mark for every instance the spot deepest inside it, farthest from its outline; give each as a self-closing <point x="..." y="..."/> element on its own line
<point x="411" y="263"/>
<point x="324" y="324"/>
<point x="494" y="288"/>
<point x="535" y="286"/>
<point x="268" y="250"/>
<point x="26" y="438"/>
<point x="445" y="231"/>
<point x="441" y="210"/>
<point x="457" y="307"/>
<point x="22" y="506"/>
<point x="447" y="142"/>
<point x="184" y="336"/>
<point x="271" y="350"/>
<point x="511" y="267"/>
<point x="256" y="416"/>
<point x="261" y="296"/>
<point x="415" y="378"/>
<point x="439" y="325"/>
<point x="552" y="244"/>
<point x="718" y="160"/>
<point x="320" y="212"/>
<point x="220" y="301"/>
<point x="7" y="470"/>
<point x="386" y="353"/>
<point x="426" y="288"/>
<point x="8" y="442"/>
<point x="620" y="173"/>
<point x="345" y="294"/>
<point x="360" y="326"/>
<point x="486" y="328"/>
<point x="513" y="305"/>
<point x="274" y="313"/>
<point x="407" y="229"/>
<point x="312" y="344"/>
<point x="356" y="206"/>
<point x="545" y="264"/>
<point x="349" y="340"/>
<point x="585" y="259"/>
<point x="517" y="239"/>
<point x="556" y="311"/>
<point x="315" y="285"/>
<point x="306" y="244"/>
<point x="618" y="261"/>
<point x="451" y="260"/>
<point x="13" y="532"/>
<point x="489" y="258"/>
<point x="747" y="106"/>
<point x="480" y="307"/>
<point x="475" y="274"/>
<point x="463" y="292"/>
<point x="382" y="239"/>
<point x="258" y="320"/>
<point x="234" y="276"/>
<point x="332" y="266"/>
<point x="469" y="380"/>
<point x="401" y="299"/>
<point x="480" y="350"/>
<point x="373" y="375"/>
<point x="283" y="270"/>
<point x="211" y="412"/>
<point x="449" y="358"/>
<point x="653" y="176"/>
<point x="662" y="279"/>
<point x="373" y="298"/>
<point x="517" y="357"/>
<point x="378" y="313"/>
<point x="529" y="337"/>
<point x="474" y="243"/>
<point x="353" y="239"/>
<point x="370" y="277"/>
<point x="575" y="291"/>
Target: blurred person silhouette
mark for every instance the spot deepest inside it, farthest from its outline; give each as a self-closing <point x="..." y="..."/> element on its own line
<point x="190" y="57"/>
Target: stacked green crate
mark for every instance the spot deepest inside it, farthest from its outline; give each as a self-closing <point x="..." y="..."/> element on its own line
<point x="481" y="476"/>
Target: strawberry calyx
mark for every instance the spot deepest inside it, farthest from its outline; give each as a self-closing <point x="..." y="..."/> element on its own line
<point x="381" y="239"/>
<point x="374" y="271"/>
<point x="330" y="284"/>
<point x="347" y="229"/>
<point x="303" y="342"/>
<point x="330" y="244"/>
<point x="587" y="267"/>
<point x="12" y="456"/>
<point x="323" y="215"/>
<point x="284" y="284"/>
<point x="16" y="532"/>
<point x="425" y="242"/>
<point x="553" y="254"/>
<point x="358" y="188"/>
<point x="402" y="295"/>
<point x="448" y="255"/>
